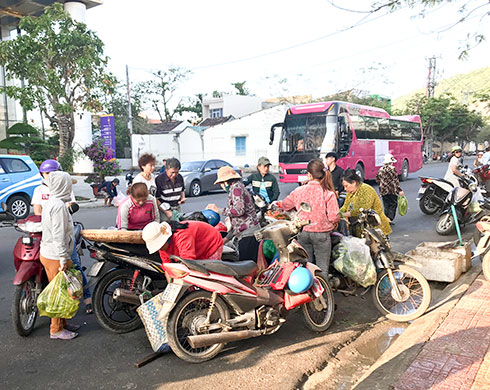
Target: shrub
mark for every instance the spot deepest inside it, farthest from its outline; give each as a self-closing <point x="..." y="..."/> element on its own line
<point x="104" y="165"/>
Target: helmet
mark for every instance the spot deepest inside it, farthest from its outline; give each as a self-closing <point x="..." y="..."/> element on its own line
<point x="116" y="181"/>
<point x="211" y="216"/>
<point x="269" y="249"/>
<point x="50" y="166"/>
<point x="455" y="149"/>
<point x="300" y="280"/>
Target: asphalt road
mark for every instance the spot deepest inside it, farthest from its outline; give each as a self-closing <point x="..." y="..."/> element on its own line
<point x="98" y="359"/>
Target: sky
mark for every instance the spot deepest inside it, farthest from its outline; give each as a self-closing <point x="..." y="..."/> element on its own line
<point x="313" y="45"/>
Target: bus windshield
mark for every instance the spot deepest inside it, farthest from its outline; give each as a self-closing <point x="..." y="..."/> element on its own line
<point x="303" y="133"/>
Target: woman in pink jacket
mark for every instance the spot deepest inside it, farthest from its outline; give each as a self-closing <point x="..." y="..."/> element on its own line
<point x="324" y="216"/>
<point x="138" y="209"/>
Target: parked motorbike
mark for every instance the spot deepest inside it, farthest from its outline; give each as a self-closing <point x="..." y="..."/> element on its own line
<point x="125" y="276"/>
<point x="210" y="303"/>
<point x="129" y="178"/>
<point x="483" y="175"/>
<point x="464" y="200"/>
<point x="434" y="191"/>
<point x="400" y="292"/>
<point x="483" y="246"/>
<point x="30" y="278"/>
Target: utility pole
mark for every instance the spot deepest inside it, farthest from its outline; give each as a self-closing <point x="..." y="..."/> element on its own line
<point x="431" y="85"/>
<point x="130" y="116"/>
<point x="431" y="78"/>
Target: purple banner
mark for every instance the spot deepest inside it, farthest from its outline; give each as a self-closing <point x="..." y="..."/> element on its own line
<point x="107" y="133"/>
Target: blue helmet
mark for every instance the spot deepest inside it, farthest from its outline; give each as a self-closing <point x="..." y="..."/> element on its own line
<point x="211" y="216"/>
<point x="300" y="280"/>
<point x="50" y="166"/>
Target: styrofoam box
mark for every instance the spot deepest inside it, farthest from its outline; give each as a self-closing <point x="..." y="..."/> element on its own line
<point x="464" y="251"/>
<point x="440" y="267"/>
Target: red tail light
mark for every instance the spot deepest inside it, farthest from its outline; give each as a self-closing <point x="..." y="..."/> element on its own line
<point x="427" y="181"/>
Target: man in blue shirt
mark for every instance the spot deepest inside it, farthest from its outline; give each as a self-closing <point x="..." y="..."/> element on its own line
<point x="110" y="190"/>
<point x="164" y="166"/>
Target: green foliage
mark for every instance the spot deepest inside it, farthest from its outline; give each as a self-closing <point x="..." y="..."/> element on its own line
<point x="159" y="91"/>
<point x="63" y="65"/>
<point x="24" y="138"/>
<point x="445" y="119"/>
<point x="191" y="105"/>
<point x="104" y="165"/>
<point x="357" y="97"/>
<point x="240" y="87"/>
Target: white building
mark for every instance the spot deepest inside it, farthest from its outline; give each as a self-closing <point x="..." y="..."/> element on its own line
<point x="240" y="142"/>
<point x="226" y="105"/>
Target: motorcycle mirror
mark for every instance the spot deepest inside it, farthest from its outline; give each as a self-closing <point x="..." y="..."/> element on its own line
<point x="73" y="208"/>
<point x="305" y="207"/>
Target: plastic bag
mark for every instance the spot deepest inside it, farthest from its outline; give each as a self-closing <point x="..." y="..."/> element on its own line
<point x="154" y="327"/>
<point x="402" y="205"/>
<point x="119" y="199"/>
<point x="352" y="258"/>
<point x="55" y="301"/>
<point x="74" y="283"/>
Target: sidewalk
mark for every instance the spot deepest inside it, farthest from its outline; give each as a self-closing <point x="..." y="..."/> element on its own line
<point x="446" y="349"/>
<point x="457" y="356"/>
<point x="83" y="189"/>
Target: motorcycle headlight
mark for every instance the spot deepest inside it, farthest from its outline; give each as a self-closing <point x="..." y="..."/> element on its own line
<point x="27" y="240"/>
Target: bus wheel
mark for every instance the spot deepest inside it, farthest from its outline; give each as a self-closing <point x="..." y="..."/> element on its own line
<point x="404" y="174"/>
<point x="360" y="171"/>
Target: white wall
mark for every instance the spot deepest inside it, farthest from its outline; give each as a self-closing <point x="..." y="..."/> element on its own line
<point x="160" y="145"/>
<point x="191" y="145"/>
<point x="238" y="105"/>
<point x="219" y="141"/>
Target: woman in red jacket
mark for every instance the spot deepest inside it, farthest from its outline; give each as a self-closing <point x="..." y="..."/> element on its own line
<point x="324" y="216"/>
<point x="193" y="240"/>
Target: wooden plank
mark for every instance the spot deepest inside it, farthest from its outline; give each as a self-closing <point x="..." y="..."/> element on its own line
<point x="148" y="359"/>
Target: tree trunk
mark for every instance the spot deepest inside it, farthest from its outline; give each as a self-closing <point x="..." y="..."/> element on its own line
<point x="66" y="128"/>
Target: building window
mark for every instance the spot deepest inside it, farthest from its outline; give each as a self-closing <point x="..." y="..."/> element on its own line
<point x="240" y="146"/>
<point x="216" y="113"/>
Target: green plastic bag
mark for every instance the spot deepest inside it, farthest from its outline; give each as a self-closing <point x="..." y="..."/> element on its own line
<point x="402" y="205"/>
<point x="269" y="249"/>
<point x="55" y="300"/>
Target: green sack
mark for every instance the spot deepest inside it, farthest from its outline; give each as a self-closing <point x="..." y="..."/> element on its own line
<point x="55" y="300"/>
<point x="402" y="205"/>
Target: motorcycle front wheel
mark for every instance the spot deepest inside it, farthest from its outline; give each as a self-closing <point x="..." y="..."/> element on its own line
<point x="185" y="319"/>
<point x="24" y="309"/>
<point x="415" y="291"/>
<point x="315" y="316"/>
<point x="445" y="225"/>
<point x="485" y="264"/>
<point x="114" y="316"/>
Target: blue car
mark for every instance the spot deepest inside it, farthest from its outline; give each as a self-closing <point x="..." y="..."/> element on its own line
<point x="19" y="176"/>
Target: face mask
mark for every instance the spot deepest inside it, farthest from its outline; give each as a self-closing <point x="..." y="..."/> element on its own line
<point x="227" y="188"/>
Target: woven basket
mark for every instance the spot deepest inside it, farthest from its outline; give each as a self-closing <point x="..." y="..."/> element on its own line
<point x="122" y="236"/>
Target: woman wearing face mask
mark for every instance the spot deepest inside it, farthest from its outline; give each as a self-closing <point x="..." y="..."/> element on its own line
<point x="240" y="210"/>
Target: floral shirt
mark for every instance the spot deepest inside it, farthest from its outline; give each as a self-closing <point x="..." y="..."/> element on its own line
<point x="366" y="198"/>
<point x="324" y="206"/>
<point x="387" y="178"/>
<point x="240" y="209"/>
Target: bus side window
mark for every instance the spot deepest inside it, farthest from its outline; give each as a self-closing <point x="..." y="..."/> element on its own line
<point x="384" y="128"/>
<point x="345" y="136"/>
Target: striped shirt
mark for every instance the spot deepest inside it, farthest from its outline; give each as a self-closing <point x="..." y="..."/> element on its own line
<point x="169" y="192"/>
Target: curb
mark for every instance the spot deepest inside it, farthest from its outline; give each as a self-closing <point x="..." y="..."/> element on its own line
<point x="393" y="363"/>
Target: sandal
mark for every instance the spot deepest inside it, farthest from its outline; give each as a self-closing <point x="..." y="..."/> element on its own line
<point x="88" y="309"/>
<point x="63" y="335"/>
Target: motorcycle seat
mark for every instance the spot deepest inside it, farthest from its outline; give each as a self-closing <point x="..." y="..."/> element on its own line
<point x="138" y="250"/>
<point x="237" y="269"/>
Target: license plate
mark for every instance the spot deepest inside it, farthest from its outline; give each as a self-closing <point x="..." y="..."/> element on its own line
<point x="171" y="292"/>
<point x="302" y="178"/>
<point x="95" y="269"/>
<point x="422" y="190"/>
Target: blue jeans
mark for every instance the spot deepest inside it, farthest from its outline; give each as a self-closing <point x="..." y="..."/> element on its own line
<point x="78" y="265"/>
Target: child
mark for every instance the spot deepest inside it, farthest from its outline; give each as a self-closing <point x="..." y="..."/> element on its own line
<point x="138" y="209"/>
<point x="57" y="241"/>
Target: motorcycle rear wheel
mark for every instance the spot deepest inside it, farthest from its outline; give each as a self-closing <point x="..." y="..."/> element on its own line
<point x="427" y="206"/>
<point x="315" y="317"/>
<point x="117" y="317"/>
<point x="24" y="309"/>
<point x="413" y="284"/>
<point x="485" y="264"/>
<point x="183" y="321"/>
<point x="445" y="225"/>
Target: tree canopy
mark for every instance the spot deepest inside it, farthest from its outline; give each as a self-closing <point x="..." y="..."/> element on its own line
<point x="63" y="66"/>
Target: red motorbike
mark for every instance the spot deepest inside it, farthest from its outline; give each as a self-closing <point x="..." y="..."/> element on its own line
<point x="210" y="303"/>
<point x="483" y="175"/>
<point x="30" y="278"/>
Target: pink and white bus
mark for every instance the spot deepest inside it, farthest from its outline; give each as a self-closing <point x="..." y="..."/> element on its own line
<point x="360" y="135"/>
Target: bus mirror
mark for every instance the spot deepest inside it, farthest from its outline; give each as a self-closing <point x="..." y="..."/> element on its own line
<point x="273" y="128"/>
